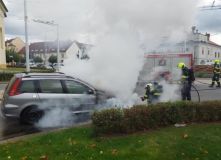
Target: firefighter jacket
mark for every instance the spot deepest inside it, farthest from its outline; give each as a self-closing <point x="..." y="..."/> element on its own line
<point x="187" y="75"/>
<point x="153" y="91"/>
<point x="216" y="68"/>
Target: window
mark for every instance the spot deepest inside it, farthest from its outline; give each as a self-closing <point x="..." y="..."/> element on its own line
<point x="27" y="87"/>
<point x="218" y="55"/>
<point x="51" y="86"/>
<point x="208" y="52"/>
<point x="215" y="54"/>
<point x="202" y="62"/>
<point x="76" y="87"/>
<point x="1" y="38"/>
<point x="203" y="51"/>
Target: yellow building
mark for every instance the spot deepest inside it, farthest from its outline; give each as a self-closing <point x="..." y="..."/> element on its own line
<point x="3" y="11"/>
<point x="15" y="44"/>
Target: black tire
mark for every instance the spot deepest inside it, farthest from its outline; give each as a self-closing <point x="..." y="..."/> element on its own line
<point x="31" y="115"/>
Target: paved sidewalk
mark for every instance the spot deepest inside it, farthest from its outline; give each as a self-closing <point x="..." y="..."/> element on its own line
<point x="205" y="81"/>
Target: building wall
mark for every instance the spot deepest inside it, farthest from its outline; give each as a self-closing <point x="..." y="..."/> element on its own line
<point x="72" y="51"/>
<point x="2" y="41"/>
<point x="17" y="43"/>
<point x="207" y="53"/>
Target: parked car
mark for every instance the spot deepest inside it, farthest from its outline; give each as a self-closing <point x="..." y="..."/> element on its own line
<point x="26" y="93"/>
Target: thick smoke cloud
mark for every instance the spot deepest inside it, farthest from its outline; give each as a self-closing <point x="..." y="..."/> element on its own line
<point x="121" y="28"/>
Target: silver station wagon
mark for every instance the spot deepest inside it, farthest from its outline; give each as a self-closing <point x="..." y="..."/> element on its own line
<point x="29" y="95"/>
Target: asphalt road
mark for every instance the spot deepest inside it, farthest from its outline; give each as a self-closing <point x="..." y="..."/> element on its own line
<point x="11" y="128"/>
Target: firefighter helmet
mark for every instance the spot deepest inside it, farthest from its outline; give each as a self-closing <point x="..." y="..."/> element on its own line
<point x="217" y="61"/>
<point x="150" y="85"/>
<point x="181" y="65"/>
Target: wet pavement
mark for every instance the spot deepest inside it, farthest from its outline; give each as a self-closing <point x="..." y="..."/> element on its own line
<point x="12" y="128"/>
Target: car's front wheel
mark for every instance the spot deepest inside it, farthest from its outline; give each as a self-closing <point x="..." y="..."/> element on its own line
<point x="31" y="115"/>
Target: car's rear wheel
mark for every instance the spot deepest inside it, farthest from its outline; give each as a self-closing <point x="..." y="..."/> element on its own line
<point x="31" y="115"/>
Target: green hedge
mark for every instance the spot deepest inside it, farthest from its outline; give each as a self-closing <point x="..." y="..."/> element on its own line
<point x="141" y="118"/>
<point x="203" y="75"/>
<point x="6" y="76"/>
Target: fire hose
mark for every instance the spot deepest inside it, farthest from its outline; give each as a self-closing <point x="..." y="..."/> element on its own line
<point x="197" y="91"/>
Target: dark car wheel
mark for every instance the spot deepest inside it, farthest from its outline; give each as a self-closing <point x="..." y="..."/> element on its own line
<point x="31" y="115"/>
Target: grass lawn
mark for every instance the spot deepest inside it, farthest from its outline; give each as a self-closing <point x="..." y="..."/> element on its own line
<point x="195" y="142"/>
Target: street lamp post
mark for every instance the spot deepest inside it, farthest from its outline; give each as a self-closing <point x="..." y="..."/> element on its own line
<point x="58" y="41"/>
<point x="26" y="37"/>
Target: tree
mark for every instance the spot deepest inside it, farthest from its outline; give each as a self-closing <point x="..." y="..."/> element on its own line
<point x="22" y="59"/>
<point x="11" y="56"/>
<point x="52" y="59"/>
<point x="38" y="59"/>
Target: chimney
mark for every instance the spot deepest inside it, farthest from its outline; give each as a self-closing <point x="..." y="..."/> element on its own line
<point x="208" y="36"/>
<point x="193" y="29"/>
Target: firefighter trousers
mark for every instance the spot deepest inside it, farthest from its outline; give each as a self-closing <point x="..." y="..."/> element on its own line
<point x="215" y="79"/>
<point x="186" y="91"/>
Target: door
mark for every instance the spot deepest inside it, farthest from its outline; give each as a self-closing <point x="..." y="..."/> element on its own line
<point x="83" y="98"/>
<point x="52" y="95"/>
<point x="27" y="94"/>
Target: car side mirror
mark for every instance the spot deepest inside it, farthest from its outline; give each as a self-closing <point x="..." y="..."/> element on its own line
<point x="90" y="91"/>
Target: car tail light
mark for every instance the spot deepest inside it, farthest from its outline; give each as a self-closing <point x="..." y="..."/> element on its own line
<point x="14" y="90"/>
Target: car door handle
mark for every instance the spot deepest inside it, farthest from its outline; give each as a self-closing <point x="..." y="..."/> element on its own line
<point x="34" y="96"/>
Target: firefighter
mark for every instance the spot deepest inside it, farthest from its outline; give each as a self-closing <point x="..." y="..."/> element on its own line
<point x="186" y="81"/>
<point x="216" y="73"/>
<point x="153" y="91"/>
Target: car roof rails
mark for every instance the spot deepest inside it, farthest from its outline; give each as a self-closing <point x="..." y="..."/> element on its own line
<point x="44" y="74"/>
<point x="59" y="72"/>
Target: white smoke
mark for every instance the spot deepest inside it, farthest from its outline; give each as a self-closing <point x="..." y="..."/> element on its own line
<point x="58" y="113"/>
<point x="171" y="92"/>
<point x="114" y="65"/>
<point x="121" y="28"/>
<point x="56" y="117"/>
<point x="172" y="88"/>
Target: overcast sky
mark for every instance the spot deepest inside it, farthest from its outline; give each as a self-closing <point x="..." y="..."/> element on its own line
<point x="76" y="19"/>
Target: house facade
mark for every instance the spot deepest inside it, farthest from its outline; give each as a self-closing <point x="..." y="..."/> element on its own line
<point x="3" y="11"/>
<point x="203" y="50"/>
<point x="15" y="44"/>
<point x="68" y="49"/>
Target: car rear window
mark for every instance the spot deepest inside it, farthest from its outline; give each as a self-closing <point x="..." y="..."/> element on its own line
<point x="27" y="87"/>
<point x="50" y="86"/>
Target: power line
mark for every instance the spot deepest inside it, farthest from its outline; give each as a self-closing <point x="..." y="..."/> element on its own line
<point x="203" y="8"/>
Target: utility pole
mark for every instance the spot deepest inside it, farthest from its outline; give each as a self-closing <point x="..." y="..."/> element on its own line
<point x="58" y="48"/>
<point x="26" y="37"/>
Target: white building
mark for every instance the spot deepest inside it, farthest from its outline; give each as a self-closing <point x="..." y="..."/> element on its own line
<point x="3" y="11"/>
<point x="68" y="49"/>
<point x="203" y="49"/>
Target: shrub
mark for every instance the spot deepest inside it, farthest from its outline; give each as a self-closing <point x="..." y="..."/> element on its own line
<point x="108" y="121"/>
<point x="4" y="76"/>
<point x="203" y="75"/>
<point x="142" y="117"/>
